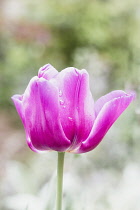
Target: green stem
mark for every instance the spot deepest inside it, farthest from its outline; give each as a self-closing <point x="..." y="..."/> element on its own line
<point x="60" y="165"/>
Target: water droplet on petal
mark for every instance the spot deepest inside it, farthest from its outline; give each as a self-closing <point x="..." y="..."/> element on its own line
<point x="70" y="118"/>
<point x="61" y="102"/>
<point x="60" y="93"/>
<point x="64" y="107"/>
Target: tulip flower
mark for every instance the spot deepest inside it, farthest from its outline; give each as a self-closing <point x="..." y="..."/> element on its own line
<point x="59" y="113"/>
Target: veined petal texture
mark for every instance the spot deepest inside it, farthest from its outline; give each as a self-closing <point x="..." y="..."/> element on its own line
<point x="76" y="104"/>
<point x="58" y="111"/>
<point x="39" y="111"/>
<point x="108" y="109"/>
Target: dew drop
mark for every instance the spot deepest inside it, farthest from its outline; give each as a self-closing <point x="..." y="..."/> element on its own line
<point x="60" y="93"/>
<point x="70" y="118"/>
<point x="64" y="107"/>
<point x="61" y="102"/>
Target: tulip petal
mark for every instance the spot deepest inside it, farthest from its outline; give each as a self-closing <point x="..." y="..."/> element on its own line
<point x="106" y="98"/>
<point x="50" y="104"/>
<point x="74" y="96"/>
<point x="41" y="116"/>
<point x="85" y="112"/>
<point x="17" y="99"/>
<point x="106" y="117"/>
<point x="47" y="71"/>
<point x="66" y="82"/>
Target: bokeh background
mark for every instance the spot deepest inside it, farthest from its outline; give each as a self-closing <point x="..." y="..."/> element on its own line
<point x="102" y="36"/>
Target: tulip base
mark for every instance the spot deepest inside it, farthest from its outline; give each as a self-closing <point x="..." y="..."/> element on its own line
<point x="60" y="165"/>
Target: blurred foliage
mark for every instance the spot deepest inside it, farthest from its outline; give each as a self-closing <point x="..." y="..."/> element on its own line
<point x="101" y="36"/>
<point x="51" y="32"/>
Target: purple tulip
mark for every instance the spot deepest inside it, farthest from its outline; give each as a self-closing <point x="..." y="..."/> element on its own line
<point x="59" y="113"/>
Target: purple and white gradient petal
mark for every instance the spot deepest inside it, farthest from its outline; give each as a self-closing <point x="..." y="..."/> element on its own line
<point x="58" y="111"/>
<point x="105" y="118"/>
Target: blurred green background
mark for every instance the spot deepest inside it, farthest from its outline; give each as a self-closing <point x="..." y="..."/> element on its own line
<point x="102" y="36"/>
